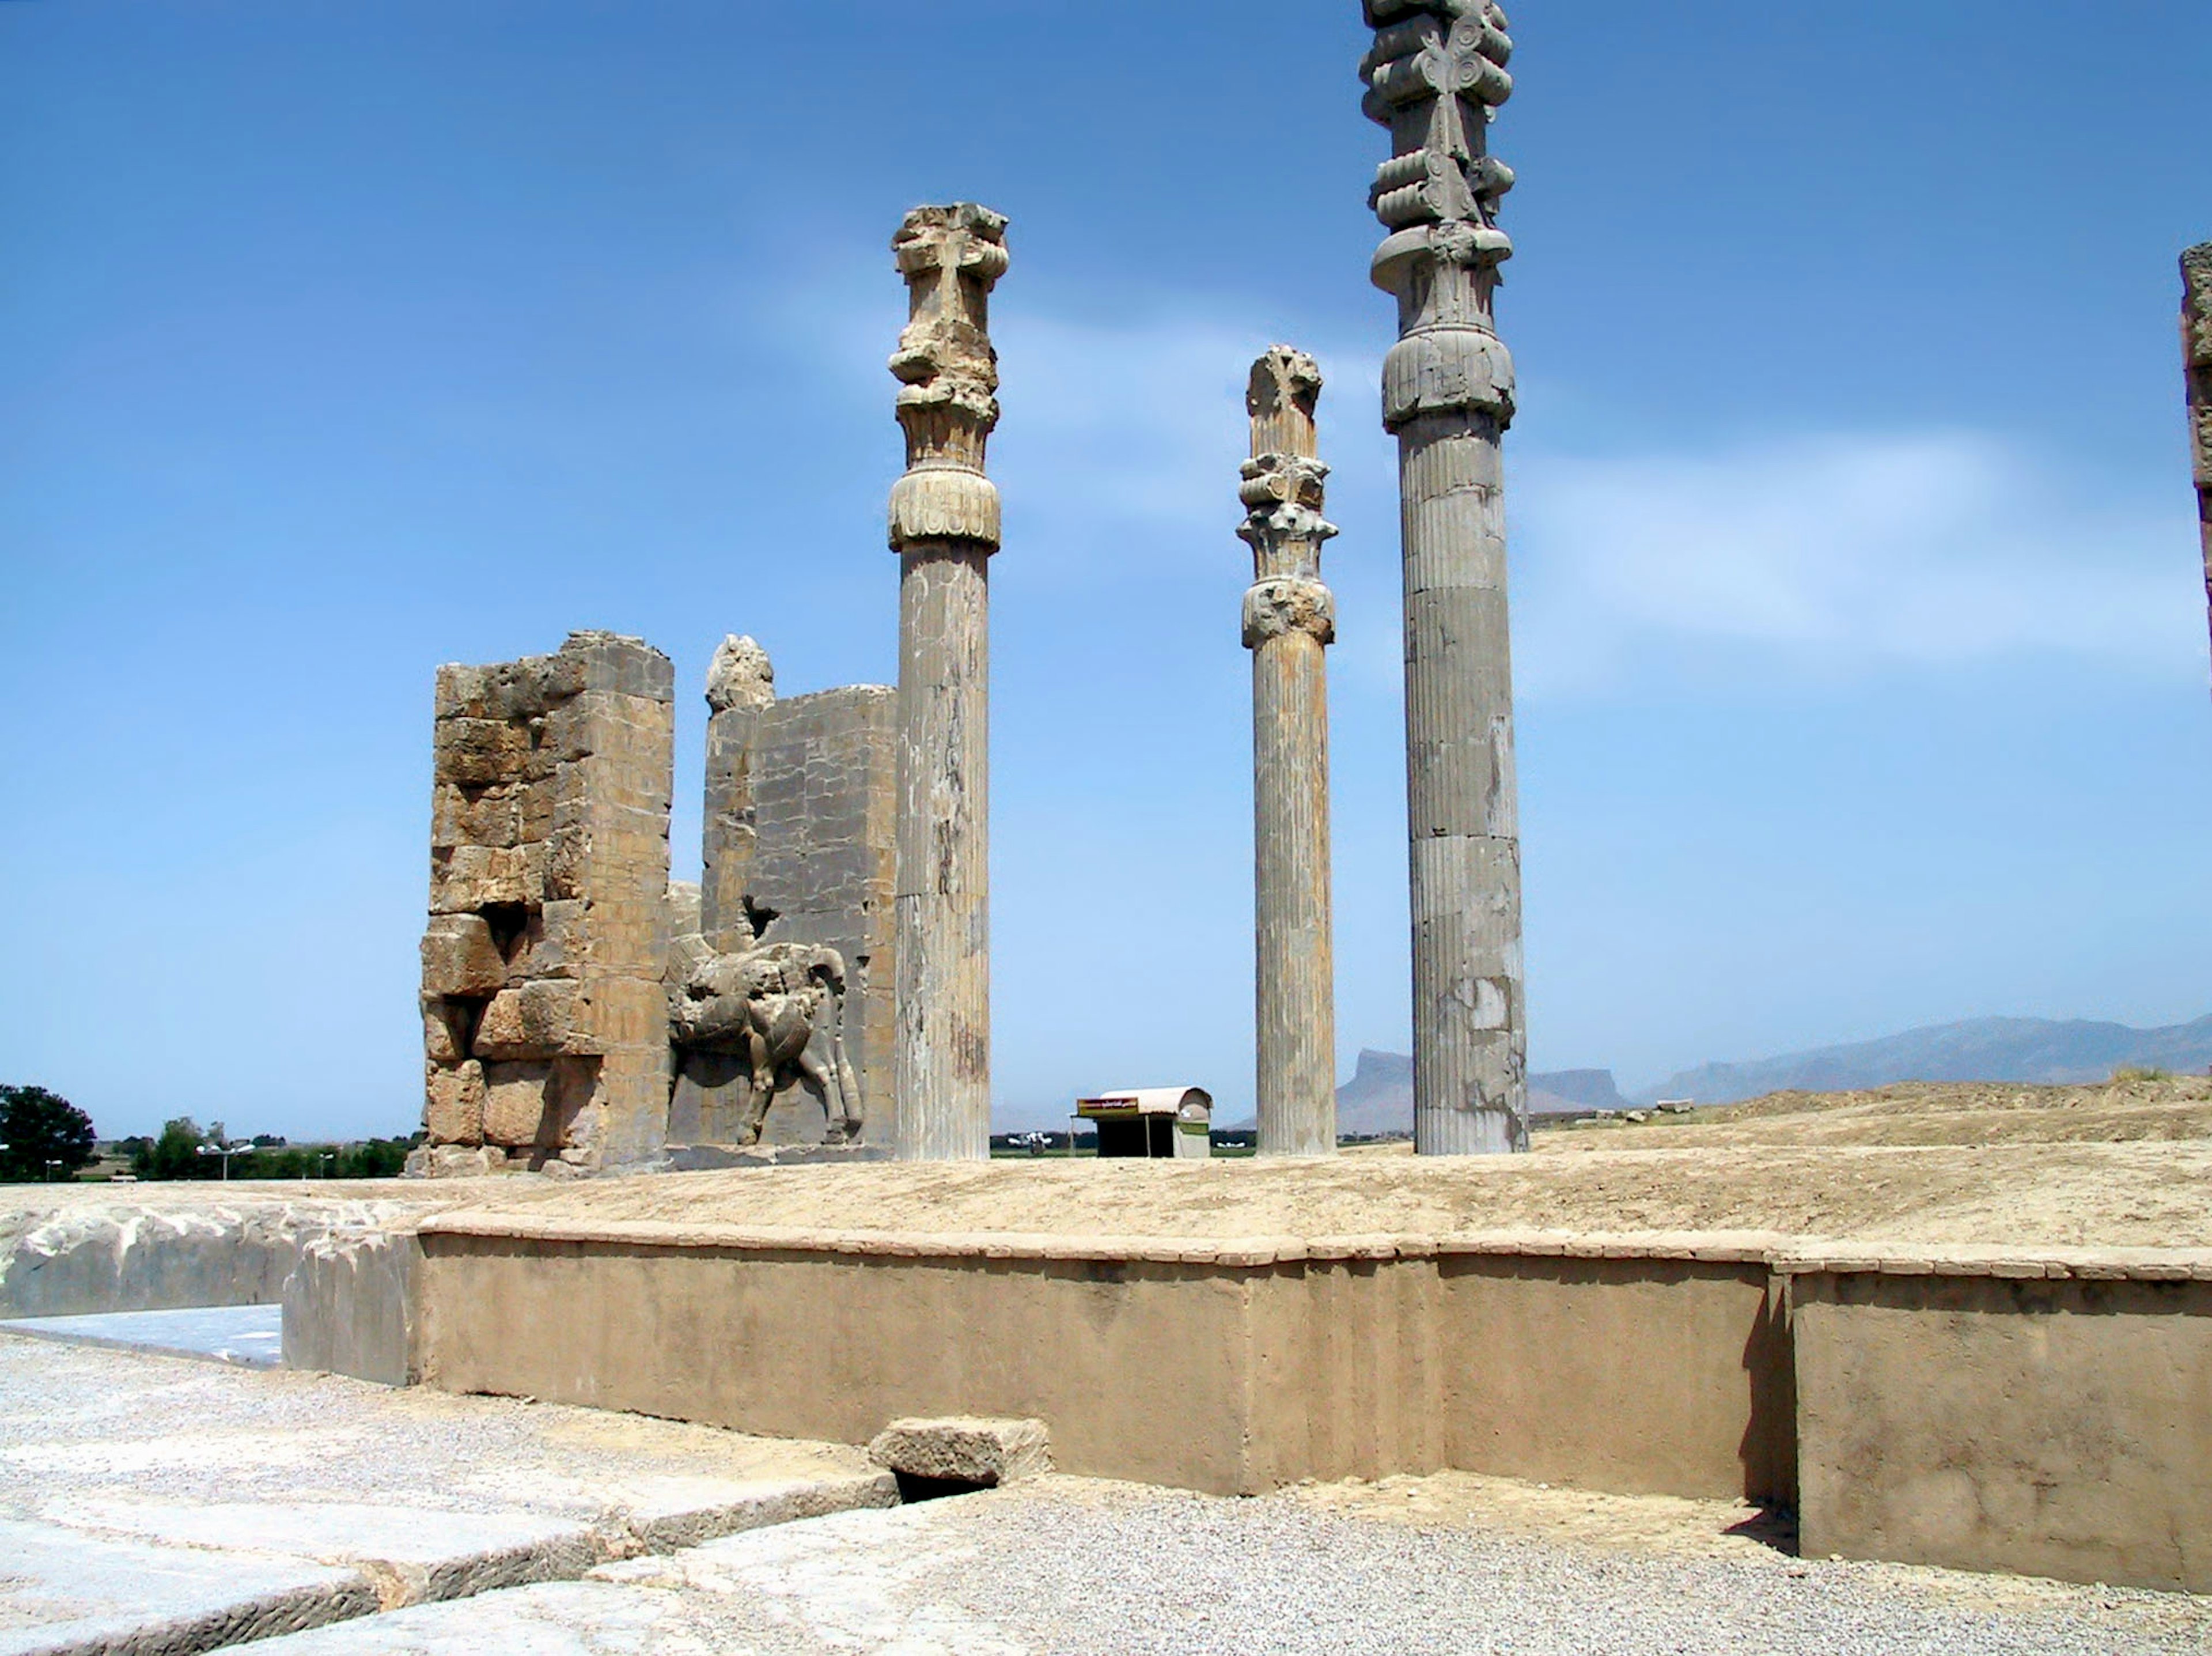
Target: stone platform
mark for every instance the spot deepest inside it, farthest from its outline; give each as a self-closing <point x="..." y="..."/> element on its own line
<point x="2045" y="1411"/>
<point x="154" y="1504"/>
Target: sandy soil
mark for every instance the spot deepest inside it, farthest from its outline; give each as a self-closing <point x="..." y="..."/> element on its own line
<point x="1664" y="1527"/>
<point x="2162" y="1110"/>
<point x="2121" y="1166"/>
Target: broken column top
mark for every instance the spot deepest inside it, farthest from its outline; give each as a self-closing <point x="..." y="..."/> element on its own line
<point x="1284" y="483"/>
<point x="740" y="676"/>
<point x="1282" y="397"/>
<point x="948" y="374"/>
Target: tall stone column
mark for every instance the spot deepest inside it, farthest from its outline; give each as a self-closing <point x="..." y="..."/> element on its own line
<point x="945" y="526"/>
<point x="1435" y="75"/>
<point x="2197" y="352"/>
<point x="1289" y="619"/>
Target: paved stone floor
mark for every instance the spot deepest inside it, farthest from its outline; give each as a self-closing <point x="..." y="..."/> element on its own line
<point x="251" y="1336"/>
<point x="150" y="1503"/>
<point x="156" y="1502"/>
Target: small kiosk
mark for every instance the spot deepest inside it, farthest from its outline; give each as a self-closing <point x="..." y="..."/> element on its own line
<point x="1153" y="1123"/>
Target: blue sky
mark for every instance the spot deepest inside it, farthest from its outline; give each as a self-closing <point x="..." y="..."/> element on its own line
<point x="1859" y="621"/>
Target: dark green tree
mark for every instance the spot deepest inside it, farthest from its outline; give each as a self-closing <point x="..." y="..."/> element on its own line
<point x="45" y="1135"/>
<point x="175" y="1155"/>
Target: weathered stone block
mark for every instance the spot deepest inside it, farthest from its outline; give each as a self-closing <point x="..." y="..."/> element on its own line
<point x="446" y="1026"/>
<point x="964" y="1449"/>
<point x="454" y="1105"/>
<point x="611" y="662"/>
<point x="476" y="816"/>
<point x="618" y="1012"/>
<point x="514" y="1103"/>
<point x="459" y="957"/>
<point x="480" y="752"/>
<point x="532" y="1021"/>
<point x="454" y="1161"/>
<point x="567" y="859"/>
<point x="471" y="878"/>
<point x="554" y="942"/>
<point x="535" y="806"/>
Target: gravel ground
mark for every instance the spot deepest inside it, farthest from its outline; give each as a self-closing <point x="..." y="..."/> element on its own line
<point x="1069" y="1567"/>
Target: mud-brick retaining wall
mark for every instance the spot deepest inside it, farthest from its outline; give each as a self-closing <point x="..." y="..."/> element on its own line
<point x="1233" y="1367"/>
<point x="2045" y="1413"/>
<point x="2048" y="1414"/>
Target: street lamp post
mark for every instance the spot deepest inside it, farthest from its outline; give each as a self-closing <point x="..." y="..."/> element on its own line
<point x="226" y="1151"/>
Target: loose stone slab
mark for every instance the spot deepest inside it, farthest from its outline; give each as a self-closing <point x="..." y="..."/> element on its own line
<point x="65" y="1590"/>
<point x="964" y="1449"/>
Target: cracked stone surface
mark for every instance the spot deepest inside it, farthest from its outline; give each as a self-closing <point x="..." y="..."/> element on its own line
<point x="160" y="1503"/>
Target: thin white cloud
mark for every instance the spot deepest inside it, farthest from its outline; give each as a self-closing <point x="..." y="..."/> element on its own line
<point x="1828" y="555"/>
<point x="1842" y="555"/>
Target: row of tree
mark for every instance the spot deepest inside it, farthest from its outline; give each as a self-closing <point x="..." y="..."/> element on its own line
<point x="187" y="1150"/>
<point x="43" y="1136"/>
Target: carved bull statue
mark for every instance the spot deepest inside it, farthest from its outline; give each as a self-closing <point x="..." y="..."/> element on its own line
<point x="781" y="1007"/>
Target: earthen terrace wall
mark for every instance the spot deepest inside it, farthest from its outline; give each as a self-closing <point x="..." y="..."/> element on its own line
<point x="1230" y="1368"/>
<point x="2047" y="1413"/>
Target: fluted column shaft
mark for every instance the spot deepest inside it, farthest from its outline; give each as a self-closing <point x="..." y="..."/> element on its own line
<point x="1289" y="621"/>
<point x="2197" y="353"/>
<point x="1434" y="77"/>
<point x="944" y="526"/>
<point x="941" y="1062"/>
<point x="1469" y="1062"/>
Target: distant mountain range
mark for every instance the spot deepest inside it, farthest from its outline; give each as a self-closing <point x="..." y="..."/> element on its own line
<point x="1978" y="1050"/>
<point x="1379" y="1097"/>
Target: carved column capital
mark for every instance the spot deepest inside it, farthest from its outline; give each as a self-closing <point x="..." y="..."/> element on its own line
<point x="951" y="257"/>
<point x="1283" y="488"/>
<point x="1285" y="604"/>
<point x="1436" y="76"/>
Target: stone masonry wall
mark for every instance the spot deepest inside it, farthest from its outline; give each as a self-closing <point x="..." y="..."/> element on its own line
<point x="800" y="828"/>
<point x="544" y="1016"/>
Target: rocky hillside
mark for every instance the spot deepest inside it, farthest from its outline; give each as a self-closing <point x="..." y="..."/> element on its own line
<point x="2032" y="1049"/>
<point x="1379" y="1097"/>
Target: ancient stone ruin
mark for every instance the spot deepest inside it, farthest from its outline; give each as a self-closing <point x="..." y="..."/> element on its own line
<point x="1290" y="620"/>
<point x="828" y="982"/>
<point x="1435" y="77"/>
<point x="944" y="527"/>
<point x="781" y="962"/>
<point x="544" y="1017"/>
<point x="579" y="1013"/>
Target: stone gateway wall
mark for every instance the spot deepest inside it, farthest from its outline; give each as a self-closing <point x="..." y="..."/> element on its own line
<point x="799" y="849"/>
<point x="544" y="1011"/>
<point x="826" y="782"/>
